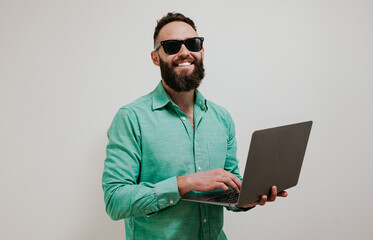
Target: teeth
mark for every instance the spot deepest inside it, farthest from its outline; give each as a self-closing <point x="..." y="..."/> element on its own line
<point x="184" y="64"/>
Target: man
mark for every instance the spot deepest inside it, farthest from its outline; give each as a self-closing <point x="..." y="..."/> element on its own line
<point x="170" y="142"/>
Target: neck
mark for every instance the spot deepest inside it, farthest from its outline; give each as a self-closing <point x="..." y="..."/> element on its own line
<point x="185" y="100"/>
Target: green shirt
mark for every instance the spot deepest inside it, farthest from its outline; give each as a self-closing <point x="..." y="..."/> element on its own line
<point x="151" y="142"/>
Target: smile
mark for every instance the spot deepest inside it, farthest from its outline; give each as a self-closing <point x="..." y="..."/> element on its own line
<point x="184" y="64"/>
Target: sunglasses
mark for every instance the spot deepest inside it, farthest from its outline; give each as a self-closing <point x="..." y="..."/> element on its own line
<point x="173" y="46"/>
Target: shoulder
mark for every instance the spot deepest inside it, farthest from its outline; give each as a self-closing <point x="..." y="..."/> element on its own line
<point x="136" y="107"/>
<point x="129" y="113"/>
<point x="140" y="103"/>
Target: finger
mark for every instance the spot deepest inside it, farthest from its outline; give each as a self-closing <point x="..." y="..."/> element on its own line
<point x="282" y="194"/>
<point x="229" y="179"/>
<point x="236" y="180"/>
<point x="263" y="200"/>
<point x="233" y="177"/>
<point x="273" y="195"/>
<point x="229" y="182"/>
<point x="222" y="186"/>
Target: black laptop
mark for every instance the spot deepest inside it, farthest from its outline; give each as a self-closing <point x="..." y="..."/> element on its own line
<point x="275" y="159"/>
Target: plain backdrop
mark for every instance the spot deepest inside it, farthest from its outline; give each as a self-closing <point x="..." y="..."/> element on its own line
<point x="66" y="67"/>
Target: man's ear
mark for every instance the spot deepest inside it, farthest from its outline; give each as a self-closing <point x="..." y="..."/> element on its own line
<point x="155" y="58"/>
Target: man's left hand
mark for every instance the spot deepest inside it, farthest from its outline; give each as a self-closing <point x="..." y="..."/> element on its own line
<point x="264" y="199"/>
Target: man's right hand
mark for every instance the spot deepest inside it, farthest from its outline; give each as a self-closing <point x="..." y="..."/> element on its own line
<point x="207" y="181"/>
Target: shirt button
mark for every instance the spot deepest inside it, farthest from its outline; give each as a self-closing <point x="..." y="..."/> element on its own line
<point x="204" y="220"/>
<point x="172" y="202"/>
<point x="183" y="118"/>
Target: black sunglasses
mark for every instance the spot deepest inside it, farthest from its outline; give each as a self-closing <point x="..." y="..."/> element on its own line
<point x="173" y="46"/>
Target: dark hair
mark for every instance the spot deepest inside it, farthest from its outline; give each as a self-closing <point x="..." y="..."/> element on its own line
<point x="171" y="17"/>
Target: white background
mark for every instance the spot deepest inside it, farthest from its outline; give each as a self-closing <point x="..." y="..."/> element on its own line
<point x="66" y="67"/>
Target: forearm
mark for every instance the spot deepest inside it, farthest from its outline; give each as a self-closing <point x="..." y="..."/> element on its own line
<point x="130" y="200"/>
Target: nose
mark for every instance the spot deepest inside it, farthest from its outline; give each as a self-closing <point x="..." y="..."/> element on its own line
<point x="184" y="52"/>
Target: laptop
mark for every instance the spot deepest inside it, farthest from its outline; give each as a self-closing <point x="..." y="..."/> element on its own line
<point x="275" y="159"/>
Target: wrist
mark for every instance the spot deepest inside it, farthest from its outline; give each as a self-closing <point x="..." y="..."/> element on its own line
<point x="182" y="185"/>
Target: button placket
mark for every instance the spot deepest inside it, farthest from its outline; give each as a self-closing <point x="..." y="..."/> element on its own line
<point x="205" y="227"/>
<point x="198" y="153"/>
<point x="185" y="122"/>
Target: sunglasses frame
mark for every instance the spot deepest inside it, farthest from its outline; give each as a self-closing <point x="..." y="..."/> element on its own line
<point x="156" y="47"/>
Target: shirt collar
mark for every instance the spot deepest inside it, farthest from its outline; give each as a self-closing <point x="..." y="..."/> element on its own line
<point x="201" y="101"/>
<point x="161" y="98"/>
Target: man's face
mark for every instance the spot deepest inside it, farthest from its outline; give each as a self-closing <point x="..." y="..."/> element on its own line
<point x="184" y="70"/>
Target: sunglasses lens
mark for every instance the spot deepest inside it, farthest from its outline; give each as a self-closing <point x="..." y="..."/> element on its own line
<point x="194" y="44"/>
<point x="172" y="47"/>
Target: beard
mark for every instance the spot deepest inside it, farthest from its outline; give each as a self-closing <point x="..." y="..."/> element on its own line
<point x="182" y="82"/>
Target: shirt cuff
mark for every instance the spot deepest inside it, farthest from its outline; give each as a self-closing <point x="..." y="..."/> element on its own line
<point x="167" y="192"/>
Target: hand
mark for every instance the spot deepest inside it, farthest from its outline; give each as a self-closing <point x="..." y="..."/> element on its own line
<point x="207" y="181"/>
<point x="264" y="199"/>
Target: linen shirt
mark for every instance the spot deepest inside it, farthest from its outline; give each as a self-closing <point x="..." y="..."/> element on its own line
<point x="151" y="142"/>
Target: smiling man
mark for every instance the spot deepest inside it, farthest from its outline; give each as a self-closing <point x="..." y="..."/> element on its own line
<point x="170" y="142"/>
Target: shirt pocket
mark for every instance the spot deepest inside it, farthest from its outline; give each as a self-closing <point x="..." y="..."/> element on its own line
<point x="217" y="151"/>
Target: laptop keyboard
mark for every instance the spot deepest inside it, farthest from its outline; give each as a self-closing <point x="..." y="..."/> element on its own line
<point x="231" y="197"/>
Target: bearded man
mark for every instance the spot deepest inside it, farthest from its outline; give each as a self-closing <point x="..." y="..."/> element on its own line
<point x="170" y="142"/>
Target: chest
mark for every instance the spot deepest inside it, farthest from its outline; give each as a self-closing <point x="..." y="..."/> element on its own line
<point x="170" y="147"/>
